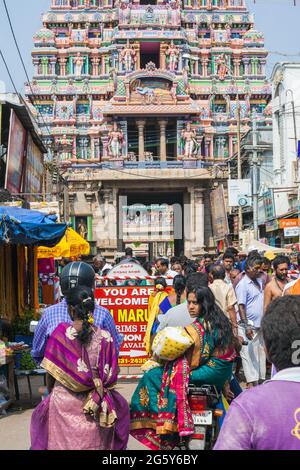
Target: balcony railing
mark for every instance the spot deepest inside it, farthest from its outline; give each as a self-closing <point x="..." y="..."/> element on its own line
<point x="161" y="165"/>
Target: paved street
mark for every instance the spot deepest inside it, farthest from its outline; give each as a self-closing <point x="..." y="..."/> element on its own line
<point x="14" y="427"/>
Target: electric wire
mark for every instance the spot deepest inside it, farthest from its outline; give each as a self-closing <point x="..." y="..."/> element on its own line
<point x="23" y="64"/>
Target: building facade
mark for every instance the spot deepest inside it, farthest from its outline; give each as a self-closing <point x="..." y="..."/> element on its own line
<point x="281" y="201"/>
<point x="141" y="99"/>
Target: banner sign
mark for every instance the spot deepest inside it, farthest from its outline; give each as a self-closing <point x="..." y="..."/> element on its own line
<point x="291" y="232"/>
<point x="34" y="169"/>
<point x="16" y="155"/>
<point x="129" y="307"/>
<point x="288" y="223"/>
<point x="219" y="214"/>
<point x="272" y="225"/>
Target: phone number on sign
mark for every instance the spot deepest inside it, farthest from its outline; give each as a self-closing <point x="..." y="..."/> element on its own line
<point x="132" y="361"/>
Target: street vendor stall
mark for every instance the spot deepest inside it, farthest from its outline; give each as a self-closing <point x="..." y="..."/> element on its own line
<point x="71" y="246"/>
<point x="21" y="231"/>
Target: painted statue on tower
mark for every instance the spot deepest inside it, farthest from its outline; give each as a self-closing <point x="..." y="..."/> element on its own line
<point x="172" y="54"/>
<point x="222" y="67"/>
<point x="82" y="229"/>
<point x="188" y="136"/>
<point x="115" y="142"/>
<point x="78" y="64"/>
<point x="128" y="58"/>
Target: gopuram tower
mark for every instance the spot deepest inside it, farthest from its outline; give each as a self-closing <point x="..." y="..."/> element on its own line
<point x="140" y="97"/>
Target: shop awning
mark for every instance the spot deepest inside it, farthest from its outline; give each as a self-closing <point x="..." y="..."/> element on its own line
<point x="262" y="247"/>
<point x="26" y="227"/>
<point x="71" y="245"/>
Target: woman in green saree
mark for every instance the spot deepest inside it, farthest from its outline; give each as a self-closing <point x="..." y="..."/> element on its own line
<point x="160" y="412"/>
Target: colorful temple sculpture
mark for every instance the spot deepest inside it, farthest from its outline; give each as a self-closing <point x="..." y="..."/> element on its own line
<point x="141" y="97"/>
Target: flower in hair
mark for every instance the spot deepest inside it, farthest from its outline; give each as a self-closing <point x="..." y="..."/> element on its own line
<point x="159" y="287"/>
<point x="91" y="320"/>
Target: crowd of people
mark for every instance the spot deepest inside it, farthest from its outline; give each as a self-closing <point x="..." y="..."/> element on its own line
<point x="242" y="313"/>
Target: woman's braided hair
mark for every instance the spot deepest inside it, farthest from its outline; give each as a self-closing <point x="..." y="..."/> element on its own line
<point x="179" y="284"/>
<point x="82" y="300"/>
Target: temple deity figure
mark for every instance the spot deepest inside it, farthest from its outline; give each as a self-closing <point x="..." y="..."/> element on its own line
<point x="116" y="138"/>
<point x="172" y="54"/>
<point x="53" y="89"/>
<point x="222" y="67"/>
<point x="125" y="6"/>
<point x="114" y="76"/>
<point x="228" y="32"/>
<point x="82" y="229"/>
<point x="188" y="136"/>
<point x="128" y="57"/>
<point x="78" y="64"/>
<point x="185" y="75"/>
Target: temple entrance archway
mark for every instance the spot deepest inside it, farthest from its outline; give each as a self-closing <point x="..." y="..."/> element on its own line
<point x="150" y="52"/>
<point x="153" y="222"/>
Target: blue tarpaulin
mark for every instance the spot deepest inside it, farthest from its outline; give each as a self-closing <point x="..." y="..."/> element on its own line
<point x="26" y="227"/>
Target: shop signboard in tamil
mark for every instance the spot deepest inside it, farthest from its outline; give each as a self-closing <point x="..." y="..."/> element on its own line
<point x="219" y="214"/>
<point x="269" y="205"/>
<point x="272" y="225"/>
<point x="291" y="232"/>
<point x="15" y="155"/>
<point x="129" y="308"/>
<point x="288" y="223"/>
<point x="34" y="169"/>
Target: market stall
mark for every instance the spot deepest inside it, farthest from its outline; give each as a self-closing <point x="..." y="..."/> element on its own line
<point x="71" y="246"/>
<point x="21" y="231"/>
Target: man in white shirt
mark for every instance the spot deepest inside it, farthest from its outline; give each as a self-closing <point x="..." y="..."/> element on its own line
<point x="162" y="268"/>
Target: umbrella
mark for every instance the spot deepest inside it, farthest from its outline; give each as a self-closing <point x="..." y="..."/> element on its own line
<point x="27" y="227"/>
<point x="71" y="245"/>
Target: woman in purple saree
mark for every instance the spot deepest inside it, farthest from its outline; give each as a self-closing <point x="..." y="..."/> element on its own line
<point x="83" y="410"/>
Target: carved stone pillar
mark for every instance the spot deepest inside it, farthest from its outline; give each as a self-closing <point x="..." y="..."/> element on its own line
<point x="198" y="219"/>
<point x="263" y="67"/>
<point x="236" y="67"/>
<point x="95" y="62"/>
<point x="162" y="61"/>
<point x="36" y="63"/>
<point x="63" y="63"/>
<point x="211" y="151"/>
<point x="74" y="148"/>
<point x="92" y="147"/>
<point x="102" y="65"/>
<point x="163" y="140"/>
<point x="53" y="61"/>
<point x="230" y="145"/>
<point x="246" y="64"/>
<point x="104" y="140"/>
<point x="141" y="128"/>
<point x="204" y="66"/>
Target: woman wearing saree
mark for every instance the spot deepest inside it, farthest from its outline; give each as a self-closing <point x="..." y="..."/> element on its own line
<point x="160" y="412"/>
<point x="159" y="303"/>
<point x="83" y="410"/>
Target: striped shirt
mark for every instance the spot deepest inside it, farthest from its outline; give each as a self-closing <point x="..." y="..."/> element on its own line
<point x="57" y="314"/>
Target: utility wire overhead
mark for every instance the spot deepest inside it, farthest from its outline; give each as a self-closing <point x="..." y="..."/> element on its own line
<point x="22" y="61"/>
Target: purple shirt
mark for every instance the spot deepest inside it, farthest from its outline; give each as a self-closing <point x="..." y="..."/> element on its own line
<point x="266" y="417"/>
<point x="251" y="295"/>
<point x="57" y="314"/>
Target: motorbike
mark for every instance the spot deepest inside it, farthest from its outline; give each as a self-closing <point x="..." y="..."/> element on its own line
<point x="203" y="403"/>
